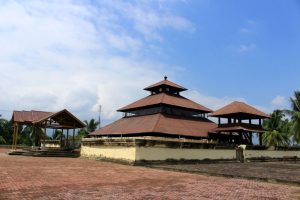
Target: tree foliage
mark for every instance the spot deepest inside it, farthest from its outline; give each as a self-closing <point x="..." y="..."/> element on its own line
<point x="277" y="130"/>
<point x="91" y="126"/>
<point x="295" y="116"/>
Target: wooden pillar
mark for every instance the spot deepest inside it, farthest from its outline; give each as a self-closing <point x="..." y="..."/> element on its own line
<point x="260" y="138"/>
<point x="219" y="120"/>
<point x="250" y="121"/>
<point x="259" y="121"/>
<point x="45" y="134"/>
<point x="61" y="137"/>
<point x="16" y="139"/>
<point x="40" y="137"/>
<point x="74" y="137"/>
<point x="67" y="138"/>
<point x="229" y="120"/>
<point x="250" y="135"/>
<point x="34" y="136"/>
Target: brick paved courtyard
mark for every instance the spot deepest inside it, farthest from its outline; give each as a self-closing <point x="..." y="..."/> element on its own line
<point x="77" y="178"/>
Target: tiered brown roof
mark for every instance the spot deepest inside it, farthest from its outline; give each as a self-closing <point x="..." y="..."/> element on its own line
<point x="237" y="107"/>
<point x="167" y="99"/>
<point x="159" y="123"/>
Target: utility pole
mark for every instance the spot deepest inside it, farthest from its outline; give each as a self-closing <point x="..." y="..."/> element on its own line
<point x="100" y="116"/>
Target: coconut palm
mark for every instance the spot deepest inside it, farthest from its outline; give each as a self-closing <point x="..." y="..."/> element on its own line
<point x="295" y="115"/>
<point x="277" y="130"/>
<point x="91" y="126"/>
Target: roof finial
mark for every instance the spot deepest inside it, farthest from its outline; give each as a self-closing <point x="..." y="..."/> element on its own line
<point x="166" y="78"/>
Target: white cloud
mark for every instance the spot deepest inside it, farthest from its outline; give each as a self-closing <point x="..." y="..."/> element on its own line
<point x="211" y="102"/>
<point x="244" y="30"/>
<point x="279" y="102"/>
<point x="246" y="48"/>
<point x="64" y="54"/>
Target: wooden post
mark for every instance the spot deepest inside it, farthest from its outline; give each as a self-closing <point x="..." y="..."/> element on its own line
<point x="40" y="137"/>
<point x="260" y="138"/>
<point x="73" y="137"/>
<point x="249" y="121"/>
<point x="260" y="122"/>
<point x="14" y="133"/>
<point x="16" y="140"/>
<point x="250" y="135"/>
<point x="45" y="133"/>
<point x="67" y="138"/>
<point x="61" y="137"/>
<point x="219" y="120"/>
<point x="34" y="136"/>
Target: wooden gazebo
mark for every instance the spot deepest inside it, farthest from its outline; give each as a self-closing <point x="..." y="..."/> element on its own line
<point x="63" y="120"/>
<point x="235" y="123"/>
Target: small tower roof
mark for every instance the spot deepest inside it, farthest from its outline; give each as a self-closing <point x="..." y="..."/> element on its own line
<point x="239" y="108"/>
<point x="165" y="82"/>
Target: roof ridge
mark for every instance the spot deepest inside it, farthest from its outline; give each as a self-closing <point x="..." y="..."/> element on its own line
<point x="158" y="118"/>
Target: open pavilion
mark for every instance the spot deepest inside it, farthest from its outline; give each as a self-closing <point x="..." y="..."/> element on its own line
<point x="235" y="123"/>
<point x="40" y="121"/>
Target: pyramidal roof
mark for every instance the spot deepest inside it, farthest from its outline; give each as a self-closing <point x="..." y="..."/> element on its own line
<point x="165" y="82"/>
<point x="167" y="99"/>
<point x="238" y="107"/>
<point x="158" y="123"/>
<point x="167" y="93"/>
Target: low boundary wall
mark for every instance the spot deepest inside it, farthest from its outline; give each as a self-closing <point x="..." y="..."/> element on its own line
<point x="151" y="149"/>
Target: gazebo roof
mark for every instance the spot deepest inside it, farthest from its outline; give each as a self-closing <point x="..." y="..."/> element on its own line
<point x="63" y="118"/>
<point x="239" y="108"/>
<point x="167" y="99"/>
<point x="158" y="123"/>
<point x="165" y="82"/>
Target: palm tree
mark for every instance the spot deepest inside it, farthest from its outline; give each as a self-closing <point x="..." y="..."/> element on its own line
<point x="295" y="114"/>
<point x="277" y="130"/>
<point x="91" y="126"/>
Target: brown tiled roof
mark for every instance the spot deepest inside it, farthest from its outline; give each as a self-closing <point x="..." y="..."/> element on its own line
<point x="29" y="116"/>
<point x="240" y="127"/>
<point x="158" y="123"/>
<point x="168" y="99"/>
<point x="167" y="83"/>
<point x="238" y="107"/>
<point x="64" y="117"/>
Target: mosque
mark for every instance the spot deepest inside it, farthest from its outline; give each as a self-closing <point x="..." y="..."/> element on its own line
<point x="166" y="113"/>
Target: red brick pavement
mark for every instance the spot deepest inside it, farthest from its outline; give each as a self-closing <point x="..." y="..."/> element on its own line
<point x="78" y="178"/>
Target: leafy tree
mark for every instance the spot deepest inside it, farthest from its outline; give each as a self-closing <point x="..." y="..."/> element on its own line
<point x="277" y="130"/>
<point x="91" y="126"/>
<point x="57" y="135"/>
<point x="295" y="116"/>
<point x="6" y="131"/>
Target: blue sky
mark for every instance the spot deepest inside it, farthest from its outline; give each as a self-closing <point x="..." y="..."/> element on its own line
<point x="79" y="54"/>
